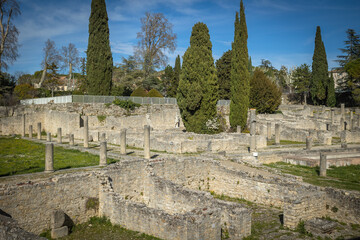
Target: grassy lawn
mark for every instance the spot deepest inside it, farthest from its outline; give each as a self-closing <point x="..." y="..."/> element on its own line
<point x="101" y="228"/>
<point x="19" y="156"/>
<point x="283" y="142"/>
<point x="347" y="177"/>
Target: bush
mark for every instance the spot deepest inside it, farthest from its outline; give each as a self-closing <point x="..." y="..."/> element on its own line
<point x="25" y="91"/>
<point x="128" y="105"/>
<point x="154" y="93"/>
<point x="265" y="96"/>
<point x="139" y="92"/>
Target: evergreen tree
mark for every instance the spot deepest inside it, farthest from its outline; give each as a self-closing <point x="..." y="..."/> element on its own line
<point x="175" y="79"/>
<point x="198" y="90"/>
<point x="167" y="79"/>
<point x="240" y="77"/>
<point x="99" y="59"/>
<point x="301" y="81"/>
<point x="250" y="67"/>
<point x="320" y="78"/>
<point x="352" y="48"/>
<point x="331" y="98"/>
<point x="223" y="67"/>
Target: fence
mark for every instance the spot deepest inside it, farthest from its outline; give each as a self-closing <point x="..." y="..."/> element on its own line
<point x="107" y="99"/>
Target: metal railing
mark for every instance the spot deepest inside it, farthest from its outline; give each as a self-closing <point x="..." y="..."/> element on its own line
<point x="106" y="99"/>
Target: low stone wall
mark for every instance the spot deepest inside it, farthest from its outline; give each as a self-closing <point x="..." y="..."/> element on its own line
<point x="31" y="203"/>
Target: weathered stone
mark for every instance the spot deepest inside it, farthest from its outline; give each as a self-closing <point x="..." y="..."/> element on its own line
<point x="323" y="164"/>
<point x="39" y="130"/>
<point x="86" y="131"/>
<point x="147" y="141"/>
<point x="49" y="157"/>
<point x="59" y="136"/>
<point x="23" y="125"/>
<point x="268" y="128"/>
<point x="252" y="143"/>
<point x="57" y="219"/>
<point x="71" y="140"/>
<point x="252" y="121"/>
<point x="318" y="226"/>
<point x="103" y="154"/>
<point x="48" y="137"/>
<point x="343" y="140"/>
<point x="309" y="143"/>
<point x="59" y="232"/>
<point x="238" y="129"/>
<point x="123" y="141"/>
<point x="103" y="137"/>
<point x="343" y="110"/>
<point x="30" y="131"/>
<point x="277" y="134"/>
<point x="332" y="116"/>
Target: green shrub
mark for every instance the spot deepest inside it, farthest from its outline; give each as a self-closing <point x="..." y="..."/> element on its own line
<point x="139" y="92"/>
<point x="265" y="96"/>
<point x="126" y="104"/>
<point x="101" y="118"/>
<point x="154" y="93"/>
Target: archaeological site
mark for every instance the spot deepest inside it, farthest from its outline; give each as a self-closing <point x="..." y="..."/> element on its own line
<point x="174" y="184"/>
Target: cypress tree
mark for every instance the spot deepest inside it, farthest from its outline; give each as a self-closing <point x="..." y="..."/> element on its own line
<point x="176" y="77"/>
<point x="223" y="67"/>
<point x="198" y="90"/>
<point x="320" y="78"/>
<point x="99" y="58"/>
<point x="240" y="77"/>
<point x="331" y="98"/>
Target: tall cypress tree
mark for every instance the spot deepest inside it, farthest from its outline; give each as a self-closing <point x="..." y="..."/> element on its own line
<point x="223" y="67"/>
<point x="99" y="58"/>
<point x="240" y="77"/>
<point x="320" y="78"/>
<point x="331" y="98"/>
<point x="176" y="77"/>
<point x="198" y="90"/>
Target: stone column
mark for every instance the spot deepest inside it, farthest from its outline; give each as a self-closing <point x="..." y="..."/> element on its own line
<point x="343" y="139"/>
<point x="147" y="141"/>
<point x="30" y="131"/>
<point x="103" y="137"/>
<point x="343" y="110"/>
<point x="252" y="121"/>
<point x="268" y="125"/>
<point x="39" y="130"/>
<point x="332" y="116"/>
<point x="323" y="164"/>
<point x="351" y="122"/>
<point x="308" y="143"/>
<point x="71" y="141"/>
<point x="23" y="126"/>
<point x="86" y="131"/>
<point x="342" y="124"/>
<point x="277" y="134"/>
<point x="59" y="137"/>
<point x="48" y="137"/>
<point x="49" y="157"/>
<point x="123" y="141"/>
<point x="238" y="129"/>
<point x="252" y="143"/>
<point x="103" y="154"/>
<point x="359" y="121"/>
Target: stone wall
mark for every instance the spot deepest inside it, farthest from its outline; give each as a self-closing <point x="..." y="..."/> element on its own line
<point x="31" y="202"/>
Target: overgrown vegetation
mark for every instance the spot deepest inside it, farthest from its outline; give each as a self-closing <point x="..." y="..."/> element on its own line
<point x="101" y="228"/>
<point x="19" y="156"/>
<point x="101" y="118"/>
<point x="126" y="104"/>
<point x="347" y="177"/>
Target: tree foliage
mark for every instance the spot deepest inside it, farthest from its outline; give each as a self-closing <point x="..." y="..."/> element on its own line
<point x="99" y="58"/>
<point x="351" y="50"/>
<point x="240" y="76"/>
<point x="331" y="98"/>
<point x="174" y="81"/>
<point x="139" y="92"/>
<point x="155" y="38"/>
<point x="51" y="58"/>
<point x="70" y="59"/>
<point x="301" y="77"/>
<point x="198" y="90"/>
<point x="320" y="78"/>
<point x="24" y="91"/>
<point x="8" y="32"/>
<point x="154" y="93"/>
<point x="223" y="66"/>
<point x="265" y="95"/>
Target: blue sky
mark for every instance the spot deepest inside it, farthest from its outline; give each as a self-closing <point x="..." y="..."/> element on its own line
<point x="282" y="31"/>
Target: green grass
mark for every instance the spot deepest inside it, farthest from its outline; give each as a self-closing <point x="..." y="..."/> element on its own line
<point x="19" y="156"/>
<point x="101" y="228"/>
<point x="283" y="142"/>
<point x="347" y="177"/>
<point x="231" y="199"/>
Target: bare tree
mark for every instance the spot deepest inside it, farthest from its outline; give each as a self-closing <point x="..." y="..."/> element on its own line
<point x="51" y="56"/>
<point x="155" y="38"/>
<point x="70" y="59"/>
<point x="9" y="33"/>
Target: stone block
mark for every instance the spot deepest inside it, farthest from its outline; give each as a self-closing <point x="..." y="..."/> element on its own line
<point x="57" y="219"/>
<point x="59" y="232"/>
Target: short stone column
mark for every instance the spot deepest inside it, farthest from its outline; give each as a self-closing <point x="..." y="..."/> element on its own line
<point x="58" y="228"/>
<point x="147" y="141"/>
<point x="59" y="136"/>
<point x="323" y="164"/>
<point x="23" y="125"/>
<point x="39" y="130"/>
<point x="343" y="139"/>
<point x="342" y="124"/>
<point x="71" y="140"/>
<point x="123" y="141"/>
<point x="309" y="142"/>
<point x="30" y="131"/>
<point x="48" y="137"/>
<point x="277" y="134"/>
<point x="103" y="153"/>
<point x="86" y="131"/>
<point x="268" y="128"/>
<point x="238" y="129"/>
<point x="343" y="110"/>
<point x="332" y="116"/>
<point x="103" y="137"/>
<point x="49" y="157"/>
<point x="252" y="143"/>
<point x="252" y="121"/>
